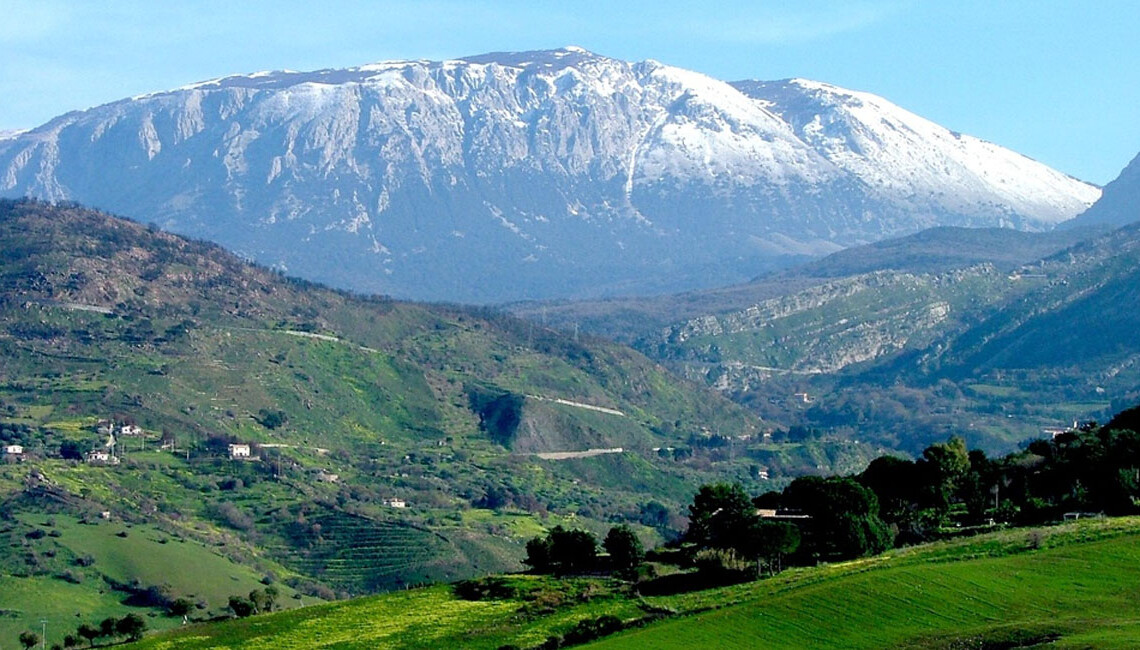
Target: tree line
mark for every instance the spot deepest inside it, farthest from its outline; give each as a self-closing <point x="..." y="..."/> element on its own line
<point x="563" y="551"/>
<point x="949" y="490"/>
<point x="131" y="626"/>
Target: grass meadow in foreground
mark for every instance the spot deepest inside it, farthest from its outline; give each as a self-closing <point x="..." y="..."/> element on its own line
<point x="1075" y="584"/>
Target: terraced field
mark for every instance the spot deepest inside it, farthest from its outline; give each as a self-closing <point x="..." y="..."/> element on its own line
<point x="360" y="555"/>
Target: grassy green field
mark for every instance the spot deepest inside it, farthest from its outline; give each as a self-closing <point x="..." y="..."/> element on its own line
<point x="1074" y="585"/>
<point x="120" y="554"/>
<point x="140" y="552"/>
<point x="1076" y="591"/>
<point x="430" y="617"/>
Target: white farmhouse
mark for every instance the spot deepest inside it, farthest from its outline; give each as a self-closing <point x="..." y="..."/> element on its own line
<point x="101" y="457"/>
<point x="239" y="450"/>
<point x="130" y="430"/>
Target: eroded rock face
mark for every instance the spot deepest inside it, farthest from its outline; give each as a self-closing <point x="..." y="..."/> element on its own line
<point x="826" y="328"/>
<point x="525" y="175"/>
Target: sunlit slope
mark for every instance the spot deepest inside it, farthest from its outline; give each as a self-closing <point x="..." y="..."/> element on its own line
<point x="1075" y="595"/>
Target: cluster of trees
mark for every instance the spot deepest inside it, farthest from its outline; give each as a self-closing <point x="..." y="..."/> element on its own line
<point x="564" y="551"/>
<point x="947" y="490"/>
<point x="724" y="518"/>
<point x="131" y="626"/>
<point x="832" y="518"/>
<point x="1090" y="469"/>
<point x="260" y="601"/>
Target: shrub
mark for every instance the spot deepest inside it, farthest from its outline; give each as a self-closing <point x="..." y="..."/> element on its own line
<point x="240" y="606"/>
<point x="590" y="629"/>
<point x="489" y="588"/>
<point x="131" y="626"/>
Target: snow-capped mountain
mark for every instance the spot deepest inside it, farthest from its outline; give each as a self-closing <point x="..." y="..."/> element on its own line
<point x="523" y="175"/>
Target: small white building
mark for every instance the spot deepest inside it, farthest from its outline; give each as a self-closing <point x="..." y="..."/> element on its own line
<point x="239" y="450"/>
<point x="393" y="502"/>
<point x="130" y="430"/>
<point x="13" y="450"/>
<point x="100" y="457"/>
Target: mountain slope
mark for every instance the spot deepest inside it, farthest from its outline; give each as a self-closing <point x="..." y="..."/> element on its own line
<point x="925" y="166"/>
<point x="906" y="358"/>
<point x="932" y="251"/>
<point x="486" y="427"/>
<point x="543" y="174"/>
<point x="1079" y="316"/>
<point x="1120" y="203"/>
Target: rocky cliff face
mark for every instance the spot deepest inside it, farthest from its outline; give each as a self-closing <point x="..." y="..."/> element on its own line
<point x="826" y="328"/>
<point x="521" y="175"/>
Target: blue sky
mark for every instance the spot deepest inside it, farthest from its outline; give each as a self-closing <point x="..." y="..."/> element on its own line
<point x="1057" y="80"/>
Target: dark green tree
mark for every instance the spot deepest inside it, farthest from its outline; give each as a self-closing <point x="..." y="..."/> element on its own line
<point x="271" y="419"/>
<point x="719" y="516"/>
<point x="572" y="550"/>
<point x="241" y="607"/>
<point x="943" y="467"/>
<point x="271" y="596"/>
<point x="180" y="607"/>
<point x="70" y="450"/>
<point x="844" y="518"/>
<point x="107" y="627"/>
<point x="769" y="542"/>
<point x="29" y="638"/>
<point x="257" y="599"/>
<point x="625" y="549"/>
<point x="131" y="626"/>
<point x="538" y="554"/>
<point x="89" y="632"/>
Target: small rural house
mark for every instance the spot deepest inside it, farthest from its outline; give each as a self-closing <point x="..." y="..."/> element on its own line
<point x="393" y="502"/>
<point x="100" y="457"/>
<point x="130" y="430"/>
<point x="239" y="450"/>
<point x="13" y="450"/>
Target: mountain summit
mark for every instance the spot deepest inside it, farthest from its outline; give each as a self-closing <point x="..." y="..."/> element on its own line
<point x="505" y="176"/>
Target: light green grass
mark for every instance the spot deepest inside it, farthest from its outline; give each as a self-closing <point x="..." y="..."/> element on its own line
<point x="155" y="558"/>
<point x="421" y="618"/>
<point x="25" y="601"/>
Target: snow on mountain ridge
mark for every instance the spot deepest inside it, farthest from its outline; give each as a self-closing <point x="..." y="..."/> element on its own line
<point x="894" y="150"/>
<point x="592" y="173"/>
